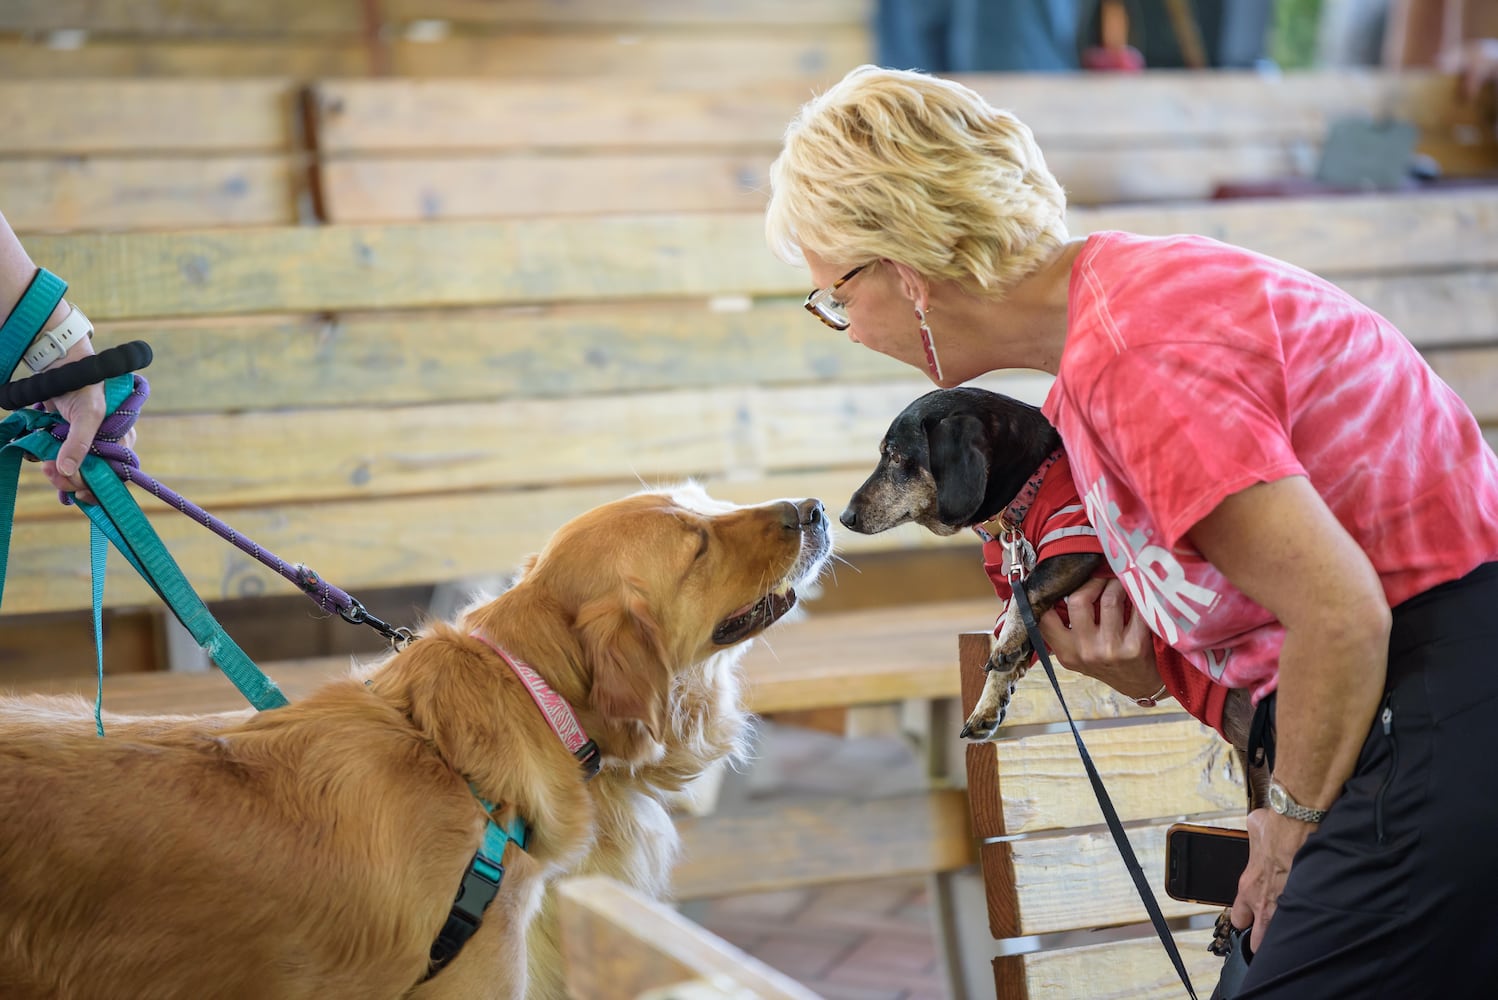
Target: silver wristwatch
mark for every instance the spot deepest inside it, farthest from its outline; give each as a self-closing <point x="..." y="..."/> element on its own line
<point x="1282" y="802"/>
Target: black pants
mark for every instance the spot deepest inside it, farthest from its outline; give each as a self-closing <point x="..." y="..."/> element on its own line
<point x="1396" y="893"/>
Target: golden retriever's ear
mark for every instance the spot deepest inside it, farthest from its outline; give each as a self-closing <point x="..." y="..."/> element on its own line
<point x="631" y="679"/>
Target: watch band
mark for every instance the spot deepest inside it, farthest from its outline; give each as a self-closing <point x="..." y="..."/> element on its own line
<point x="53" y="345"/>
<point x="1282" y="802"/>
<point x="1152" y="700"/>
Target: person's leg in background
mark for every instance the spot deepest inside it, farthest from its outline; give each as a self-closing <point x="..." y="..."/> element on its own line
<point x="912" y="34"/>
<point x="1016" y="35"/>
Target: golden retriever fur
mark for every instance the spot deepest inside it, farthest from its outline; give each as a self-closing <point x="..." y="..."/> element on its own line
<point x="315" y="850"/>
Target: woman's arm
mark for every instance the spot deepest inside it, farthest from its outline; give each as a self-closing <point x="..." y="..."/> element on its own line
<point x="83" y="409"/>
<point x="1281" y="546"/>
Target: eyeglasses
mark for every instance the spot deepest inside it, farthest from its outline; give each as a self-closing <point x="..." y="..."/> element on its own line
<point x="829" y="310"/>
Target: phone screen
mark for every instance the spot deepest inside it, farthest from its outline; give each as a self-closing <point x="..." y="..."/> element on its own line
<point x="1204" y="867"/>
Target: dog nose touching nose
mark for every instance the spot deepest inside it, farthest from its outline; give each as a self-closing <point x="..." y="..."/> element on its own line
<point x="849" y="517"/>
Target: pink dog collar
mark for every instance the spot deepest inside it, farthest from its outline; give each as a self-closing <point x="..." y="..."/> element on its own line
<point x="558" y="713"/>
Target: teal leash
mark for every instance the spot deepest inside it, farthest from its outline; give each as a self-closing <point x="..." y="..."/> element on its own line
<point x="115" y="518"/>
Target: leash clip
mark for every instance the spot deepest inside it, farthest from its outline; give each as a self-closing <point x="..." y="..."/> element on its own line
<point x="1019" y="555"/>
<point x="398" y="635"/>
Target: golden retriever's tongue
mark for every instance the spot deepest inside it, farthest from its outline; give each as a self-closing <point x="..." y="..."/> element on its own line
<point x="752" y="618"/>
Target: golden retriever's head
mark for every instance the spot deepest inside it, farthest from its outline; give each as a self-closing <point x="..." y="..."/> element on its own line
<point x="656" y="582"/>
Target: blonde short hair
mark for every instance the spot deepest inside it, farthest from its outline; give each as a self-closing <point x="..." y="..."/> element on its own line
<point x="903" y="165"/>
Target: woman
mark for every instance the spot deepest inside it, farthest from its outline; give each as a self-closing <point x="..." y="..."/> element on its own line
<point x="1272" y="467"/>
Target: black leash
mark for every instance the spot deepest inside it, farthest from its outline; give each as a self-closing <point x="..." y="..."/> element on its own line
<point x="1110" y="815"/>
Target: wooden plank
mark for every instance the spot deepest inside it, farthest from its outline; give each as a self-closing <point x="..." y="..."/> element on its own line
<point x="432" y="116"/>
<point x="33" y="59"/>
<point x="791" y="843"/>
<point x="1079" y="882"/>
<point x="819" y="55"/>
<point x="394" y="358"/>
<point x="275" y="18"/>
<point x="520" y="14"/>
<point x="1171" y="108"/>
<point x="81" y="117"/>
<point x="579" y="349"/>
<point x="332" y="268"/>
<point x="616" y="945"/>
<point x="1167" y="768"/>
<point x="409" y="189"/>
<point x="1137" y="969"/>
<point x="1157" y="111"/>
<point x="300" y="456"/>
<point x="148" y="193"/>
<point x="375" y="543"/>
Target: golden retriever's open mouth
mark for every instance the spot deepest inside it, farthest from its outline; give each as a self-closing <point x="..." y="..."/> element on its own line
<point x="756" y="617"/>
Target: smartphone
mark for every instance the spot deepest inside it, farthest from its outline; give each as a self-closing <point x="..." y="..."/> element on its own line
<point x="1203" y="863"/>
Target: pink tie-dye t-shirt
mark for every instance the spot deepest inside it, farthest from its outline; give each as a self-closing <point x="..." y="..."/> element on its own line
<point x="1193" y="370"/>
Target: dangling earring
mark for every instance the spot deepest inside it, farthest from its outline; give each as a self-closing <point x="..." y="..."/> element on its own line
<point x="933" y="363"/>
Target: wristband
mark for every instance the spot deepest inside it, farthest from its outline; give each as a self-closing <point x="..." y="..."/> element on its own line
<point x="53" y="345"/>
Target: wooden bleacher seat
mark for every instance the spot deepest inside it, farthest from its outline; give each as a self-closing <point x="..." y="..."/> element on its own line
<point x="618" y="945"/>
<point x="1052" y="874"/>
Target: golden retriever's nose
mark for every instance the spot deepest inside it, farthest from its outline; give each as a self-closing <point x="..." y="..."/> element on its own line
<point x="803" y="514"/>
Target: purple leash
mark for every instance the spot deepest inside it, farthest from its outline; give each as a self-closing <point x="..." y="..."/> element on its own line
<point x="126" y="465"/>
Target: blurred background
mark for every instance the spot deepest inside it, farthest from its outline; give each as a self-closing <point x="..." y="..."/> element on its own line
<point x="424" y="278"/>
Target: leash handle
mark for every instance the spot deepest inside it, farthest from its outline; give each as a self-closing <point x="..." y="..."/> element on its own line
<point x="75" y="375"/>
<point x="1110" y="815"/>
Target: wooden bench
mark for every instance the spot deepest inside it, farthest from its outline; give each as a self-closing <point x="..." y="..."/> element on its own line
<point x="1063" y="912"/>
<point x="401" y="150"/>
<point x="617" y="945"/>
<point x="745" y="40"/>
<point x="409" y="404"/>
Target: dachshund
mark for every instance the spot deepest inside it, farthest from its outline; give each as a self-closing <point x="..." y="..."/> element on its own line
<point x="966" y="457"/>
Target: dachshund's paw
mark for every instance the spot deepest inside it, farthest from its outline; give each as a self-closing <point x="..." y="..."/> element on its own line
<point x="1221" y="945"/>
<point x="993" y="705"/>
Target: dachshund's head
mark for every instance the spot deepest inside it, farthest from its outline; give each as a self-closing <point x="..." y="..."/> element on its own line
<point x="952" y="458"/>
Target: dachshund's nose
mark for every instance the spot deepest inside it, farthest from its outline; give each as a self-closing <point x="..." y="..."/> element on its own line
<point x="812" y="512"/>
<point x="849" y="517"/>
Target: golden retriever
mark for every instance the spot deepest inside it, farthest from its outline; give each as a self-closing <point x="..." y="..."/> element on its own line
<point x="315" y="850"/>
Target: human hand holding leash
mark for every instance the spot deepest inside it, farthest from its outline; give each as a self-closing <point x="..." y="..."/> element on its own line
<point x="1112" y="645"/>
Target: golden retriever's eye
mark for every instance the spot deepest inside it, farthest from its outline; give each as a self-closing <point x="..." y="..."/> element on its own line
<point x="702" y="542"/>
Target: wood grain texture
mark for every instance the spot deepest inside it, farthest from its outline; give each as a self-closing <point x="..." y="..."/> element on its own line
<point x="224" y="272"/>
<point x="513" y="14"/>
<point x="265" y="457"/>
<point x="277" y="18"/>
<point x="149" y="193"/>
<point x="1079" y="881"/>
<point x="617" y="944"/>
<point x="818" y="54"/>
<point x="1167" y="768"/>
<point x="301" y="58"/>
<point x="87" y="117"/>
<point x="812" y="842"/>
<point x="1137" y="969"/>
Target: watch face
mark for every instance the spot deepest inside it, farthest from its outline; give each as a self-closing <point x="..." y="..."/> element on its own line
<point x="1277" y="798"/>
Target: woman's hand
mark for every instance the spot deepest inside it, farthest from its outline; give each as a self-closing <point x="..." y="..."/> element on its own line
<point x="1112" y="644"/>
<point x="1272" y="842"/>
<point x="83" y="409"/>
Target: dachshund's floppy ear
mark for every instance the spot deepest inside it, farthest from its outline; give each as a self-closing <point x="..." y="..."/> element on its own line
<point x="631" y="681"/>
<point x="959" y="464"/>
